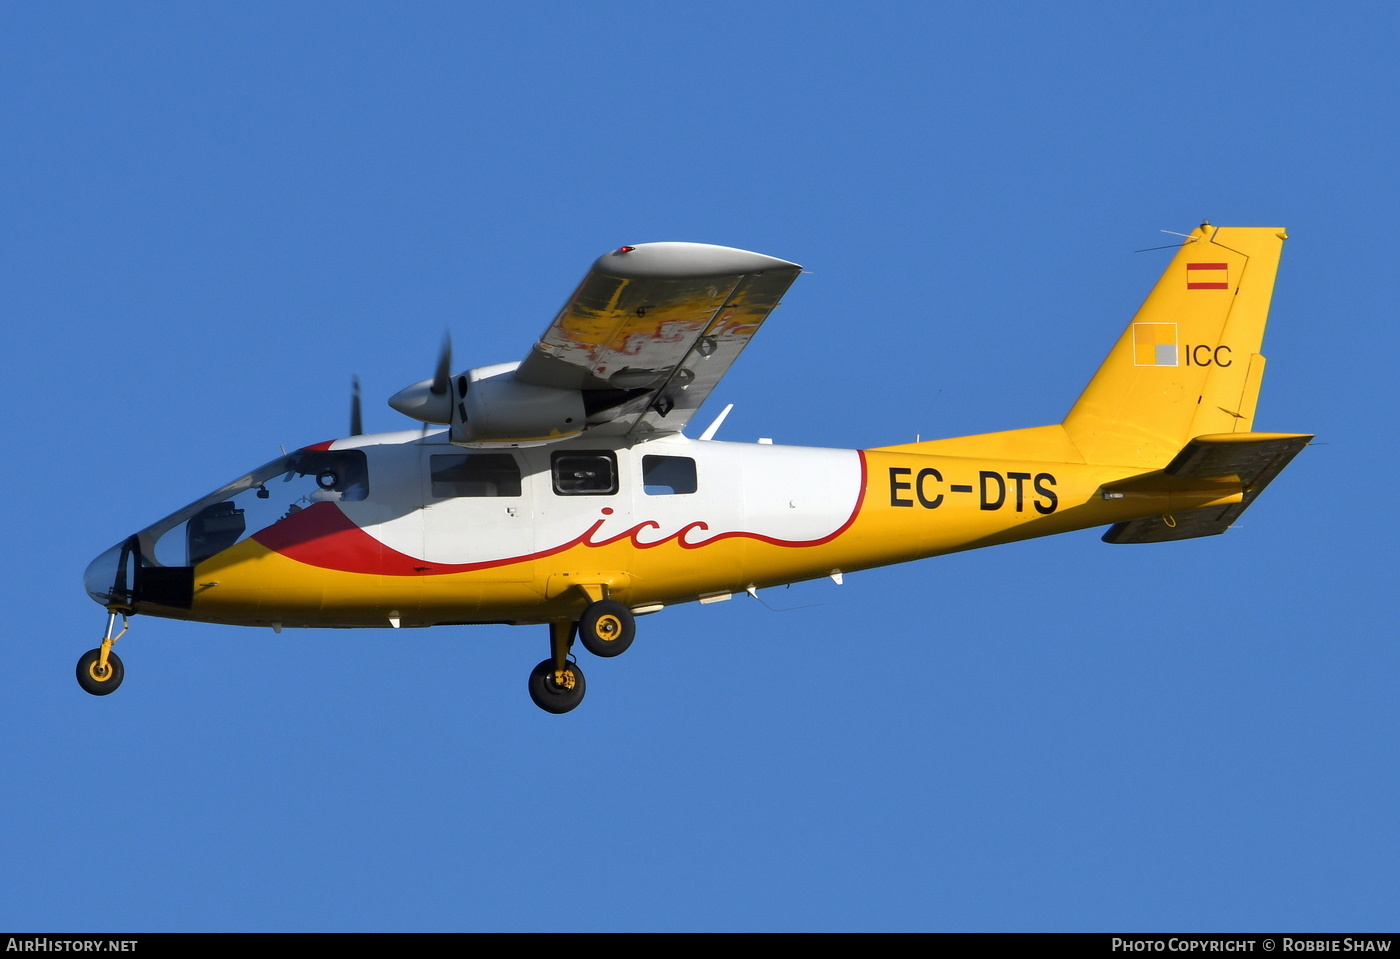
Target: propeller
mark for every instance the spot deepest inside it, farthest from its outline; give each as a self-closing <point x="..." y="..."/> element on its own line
<point x="444" y="367"/>
<point x="357" y="425"/>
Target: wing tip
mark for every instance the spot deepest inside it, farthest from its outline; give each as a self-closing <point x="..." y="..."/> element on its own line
<point x="678" y="259"/>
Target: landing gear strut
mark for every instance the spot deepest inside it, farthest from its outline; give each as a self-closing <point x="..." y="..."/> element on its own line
<point x="100" y="670"/>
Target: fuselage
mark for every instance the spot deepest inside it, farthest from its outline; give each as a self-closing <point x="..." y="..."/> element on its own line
<point x="403" y="529"/>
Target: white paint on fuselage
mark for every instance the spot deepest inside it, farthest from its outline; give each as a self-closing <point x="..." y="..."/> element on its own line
<point x="785" y="493"/>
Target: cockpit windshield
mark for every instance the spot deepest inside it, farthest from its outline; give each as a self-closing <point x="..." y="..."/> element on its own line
<point x="254" y="502"/>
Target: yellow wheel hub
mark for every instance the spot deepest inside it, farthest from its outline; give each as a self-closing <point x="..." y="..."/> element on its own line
<point x="609" y="628"/>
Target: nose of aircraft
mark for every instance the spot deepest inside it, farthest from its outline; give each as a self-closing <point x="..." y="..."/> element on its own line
<point x="101" y="577"/>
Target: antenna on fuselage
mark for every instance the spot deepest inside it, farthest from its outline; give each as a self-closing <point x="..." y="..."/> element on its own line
<point x="753" y="591"/>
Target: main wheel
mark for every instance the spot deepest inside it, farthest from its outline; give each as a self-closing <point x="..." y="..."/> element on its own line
<point x="607" y="628"/>
<point x="97" y="681"/>
<point x="550" y="694"/>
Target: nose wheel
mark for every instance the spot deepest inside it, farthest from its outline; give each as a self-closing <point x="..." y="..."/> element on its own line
<point x="99" y="678"/>
<point x="100" y="670"/>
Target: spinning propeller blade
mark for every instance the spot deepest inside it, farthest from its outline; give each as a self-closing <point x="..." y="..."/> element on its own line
<point x="444" y="367"/>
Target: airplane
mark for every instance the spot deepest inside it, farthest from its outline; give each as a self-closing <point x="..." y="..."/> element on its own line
<point x="562" y="491"/>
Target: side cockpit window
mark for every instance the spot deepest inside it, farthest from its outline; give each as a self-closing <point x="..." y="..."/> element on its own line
<point x="270" y="494"/>
<point x="213" y="530"/>
<point x="579" y="473"/>
<point x="340" y="475"/>
<point x="666" y="475"/>
<point x="475" y="474"/>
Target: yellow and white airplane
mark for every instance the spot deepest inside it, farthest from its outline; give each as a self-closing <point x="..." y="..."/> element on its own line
<point x="562" y="491"/>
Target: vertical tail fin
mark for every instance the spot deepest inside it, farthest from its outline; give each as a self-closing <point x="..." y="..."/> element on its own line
<point x="1189" y="363"/>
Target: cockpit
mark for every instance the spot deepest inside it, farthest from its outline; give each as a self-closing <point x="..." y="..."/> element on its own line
<point x="156" y="563"/>
<point x="254" y="502"/>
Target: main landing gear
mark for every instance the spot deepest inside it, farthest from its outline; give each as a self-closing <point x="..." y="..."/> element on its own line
<point x="100" y="670"/>
<point x="606" y="629"/>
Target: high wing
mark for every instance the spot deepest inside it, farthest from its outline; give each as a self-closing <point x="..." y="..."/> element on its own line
<point x="652" y="328"/>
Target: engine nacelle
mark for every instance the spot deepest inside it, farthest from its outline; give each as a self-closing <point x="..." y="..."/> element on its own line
<point x="489" y="405"/>
<point x="492" y="406"/>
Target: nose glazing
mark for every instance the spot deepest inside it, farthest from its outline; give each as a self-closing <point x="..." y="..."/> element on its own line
<point x="100" y="579"/>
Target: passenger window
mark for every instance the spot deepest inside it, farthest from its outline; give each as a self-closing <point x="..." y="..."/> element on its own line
<point x="664" y="475"/>
<point x="578" y="474"/>
<point x="475" y="474"/>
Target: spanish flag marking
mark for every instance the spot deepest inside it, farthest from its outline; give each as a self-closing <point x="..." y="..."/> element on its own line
<point x="1154" y="344"/>
<point x="1207" y="276"/>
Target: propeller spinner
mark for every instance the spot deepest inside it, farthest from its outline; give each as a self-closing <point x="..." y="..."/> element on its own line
<point x="430" y="400"/>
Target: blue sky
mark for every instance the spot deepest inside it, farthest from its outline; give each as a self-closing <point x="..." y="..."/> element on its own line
<point x="212" y="216"/>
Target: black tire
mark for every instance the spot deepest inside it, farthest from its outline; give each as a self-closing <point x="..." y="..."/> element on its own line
<point x="549" y="695"/>
<point x="607" y="628"/>
<point x="93" y="683"/>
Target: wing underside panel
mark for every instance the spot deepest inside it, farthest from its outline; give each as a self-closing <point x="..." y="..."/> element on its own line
<point x="652" y="329"/>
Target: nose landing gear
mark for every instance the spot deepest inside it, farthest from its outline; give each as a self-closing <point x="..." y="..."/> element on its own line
<point x="100" y="670"/>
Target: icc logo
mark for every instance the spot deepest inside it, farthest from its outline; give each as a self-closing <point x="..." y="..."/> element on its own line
<point x="1203" y="355"/>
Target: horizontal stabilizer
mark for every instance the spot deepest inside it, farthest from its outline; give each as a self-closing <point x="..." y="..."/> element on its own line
<point x="1250" y="460"/>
